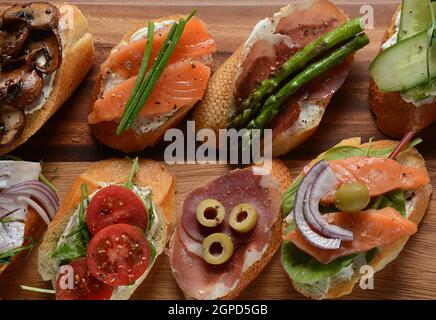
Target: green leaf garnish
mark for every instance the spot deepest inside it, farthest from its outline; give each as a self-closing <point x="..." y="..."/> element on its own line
<point x="393" y="199"/>
<point x="288" y="198"/>
<point x="145" y="83"/>
<point x="5" y="257"/>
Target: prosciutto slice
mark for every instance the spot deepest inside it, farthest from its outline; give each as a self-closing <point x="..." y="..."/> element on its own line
<point x="297" y="25"/>
<point x="199" y="279"/>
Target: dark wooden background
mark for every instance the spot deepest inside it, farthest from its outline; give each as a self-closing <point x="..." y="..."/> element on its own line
<point x="66" y="144"/>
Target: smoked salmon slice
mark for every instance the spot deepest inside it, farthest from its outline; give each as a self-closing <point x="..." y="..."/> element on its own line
<point x="371" y="229"/>
<point x="380" y="175"/>
<point x="181" y="84"/>
<point x="194" y="43"/>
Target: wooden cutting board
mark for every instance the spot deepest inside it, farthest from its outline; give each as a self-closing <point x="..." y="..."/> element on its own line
<point x="65" y="144"/>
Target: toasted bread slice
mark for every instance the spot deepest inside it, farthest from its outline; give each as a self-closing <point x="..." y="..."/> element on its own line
<point x="151" y="173"/>
<point x="131" y="140"/>
<point x="282" y="177"/>
<point x="218" y="104"/>
<point x="416" y="208"/>
<point x="78" y="54"/>
<point x="395" y="116"/>
<point x="32" y="231"/>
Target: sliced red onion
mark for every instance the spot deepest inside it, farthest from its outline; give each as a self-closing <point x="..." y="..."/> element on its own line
<point x="39" y="191"/>
<point x="301" y="223"/>
<point x="37" y="208"/>
<point x="325" y="182"/>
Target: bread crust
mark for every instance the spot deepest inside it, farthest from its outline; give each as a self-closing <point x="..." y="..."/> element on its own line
<point x="280" y="173"/>
<point x="33" y="229"/>
<point x="151" y="173"/>
<point x="396" y="117"/>
<point x="131" y="140"/>
<point x="387" y="253"/>
<point x="78" y="55"/>
<point x="217" y="107"/>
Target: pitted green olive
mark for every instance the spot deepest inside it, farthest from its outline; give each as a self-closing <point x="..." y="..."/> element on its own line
<point x="352" y="197"/>
<point x="217" y="248"/>
<point x="210" y="213"/>
<point x="243" y="217"/>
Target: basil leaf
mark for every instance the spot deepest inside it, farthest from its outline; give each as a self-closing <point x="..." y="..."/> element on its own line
<point x="288" y="198"/>
<point x="343" y="152"/>
<point x="68" y="252"/>
<point x="394" y="199"/>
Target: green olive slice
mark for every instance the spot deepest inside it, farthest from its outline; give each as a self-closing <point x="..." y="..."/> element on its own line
<point x="217" y="248"/>
<point x="210" y="213"/>
<point x="352" y="197"/>
<point x="243" y="217"/>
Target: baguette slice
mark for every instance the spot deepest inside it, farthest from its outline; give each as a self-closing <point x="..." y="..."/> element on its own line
<point x="218" y="104"/>
<point x="32" y="231"/>
<point x="130" y="140"/>
<point x="416" y="208"/>
<point x="396" y="117"/>
<point x="280" y="173"/>
<point x="151" y="173"/>
<point x="78" y="55"/>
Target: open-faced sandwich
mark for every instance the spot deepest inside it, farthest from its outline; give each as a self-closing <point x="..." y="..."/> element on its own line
<point x="111" y="226"/>
<point x="354" y="205"/>
<point x="26" y="206"/>
<point x="403" y="85"/>
<point x="149" y="82"/>
<point x="45" y="52"/>
<point x="227" y="231"/>
<point x="284" y="75"/>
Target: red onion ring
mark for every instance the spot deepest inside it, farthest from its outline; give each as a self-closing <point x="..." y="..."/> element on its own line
<point x="37" y="208"/>
<point x="325" y="182"/>
<point x="300" y="221"/>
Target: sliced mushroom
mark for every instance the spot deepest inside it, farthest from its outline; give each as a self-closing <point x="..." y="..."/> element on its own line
<point x="45" y="53"/>
<point x="37" y="15"/>
<point x="12" y="121"/>
<point x="12" y="38"/>
<point x="21" y="87"/>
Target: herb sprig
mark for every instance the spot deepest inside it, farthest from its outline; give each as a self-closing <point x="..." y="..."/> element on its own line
<point x="144" y="87"/>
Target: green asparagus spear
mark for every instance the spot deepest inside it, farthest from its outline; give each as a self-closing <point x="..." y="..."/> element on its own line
<point x="297" y="62"/>
<point x="274" y="103"/>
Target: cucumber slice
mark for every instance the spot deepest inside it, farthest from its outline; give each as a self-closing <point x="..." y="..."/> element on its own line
<point x="404" y="65"/>
<point x="415" y="18"/>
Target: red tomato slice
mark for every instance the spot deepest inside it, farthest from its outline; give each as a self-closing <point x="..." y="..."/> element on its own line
<point x="112" y="205"/>
<point x="118" y="255"/>
<point x="85" y="285"/>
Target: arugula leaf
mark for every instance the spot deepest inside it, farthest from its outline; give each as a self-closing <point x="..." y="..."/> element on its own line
<point x="68" y="252"/>
<point x="148" y="202"/>
<point x="394" y="199"/>
<point x="5" y="257"/>
<point x="384" y="153"/>
<point x="79" y="237"/>
<point x="303" y="268"/>
<point x="129" y="183"/>
<point x="288" y="198"/>
<point x="370" y="254"/>
<point x="343" y="152"/>
<point x="152" y="252"/>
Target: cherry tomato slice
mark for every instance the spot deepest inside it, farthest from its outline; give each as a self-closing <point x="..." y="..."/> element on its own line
<point x="84" y="285"/>
<point x="118" y="255"/>
<point x="112" y="205"/>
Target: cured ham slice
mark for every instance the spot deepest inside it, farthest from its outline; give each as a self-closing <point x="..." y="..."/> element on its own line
<point x="240" y="186"/>
<point x="197" y="278"/>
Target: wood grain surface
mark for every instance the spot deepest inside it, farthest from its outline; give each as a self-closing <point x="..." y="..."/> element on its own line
<point x="66" y="144"/>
